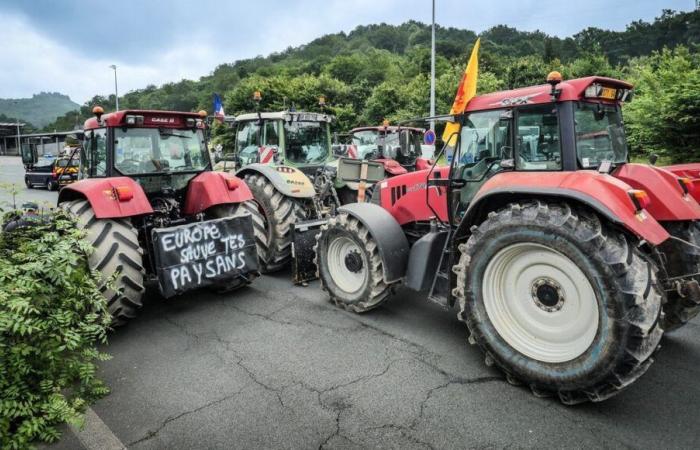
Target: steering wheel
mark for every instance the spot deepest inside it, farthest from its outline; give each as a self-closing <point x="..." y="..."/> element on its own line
<point x="129" y="165"/>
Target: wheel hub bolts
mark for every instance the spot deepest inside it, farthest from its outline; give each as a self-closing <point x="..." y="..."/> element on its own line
<point x="547" y="294"/>
<point x="353" y="261"/>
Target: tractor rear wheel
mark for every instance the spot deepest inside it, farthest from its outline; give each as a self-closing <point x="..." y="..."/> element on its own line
<point x="349" y="265"/>
<point x="279" y="213"/>
<point x="682" y="259"/>
<point x="559" y="301"/>
<point x="238" y="210"/>
<point x="117" y="251"/>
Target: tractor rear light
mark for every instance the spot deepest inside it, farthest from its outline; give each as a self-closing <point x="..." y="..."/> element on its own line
<point x="639" y="198"/>
<point x="687" y="185"/>
<point x="123" y="193"/>
<point x="134" y="120"/>
<point x="232" y="183"/>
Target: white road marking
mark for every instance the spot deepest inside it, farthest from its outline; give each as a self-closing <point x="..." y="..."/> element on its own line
<point x="95" y="435"/>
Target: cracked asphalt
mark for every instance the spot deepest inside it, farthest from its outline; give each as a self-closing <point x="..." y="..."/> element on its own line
<point x="278" y="366"/>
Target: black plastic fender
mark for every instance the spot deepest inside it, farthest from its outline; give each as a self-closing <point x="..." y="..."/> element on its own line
<point x="289" y="181"/>
<point x="387" y="233"/>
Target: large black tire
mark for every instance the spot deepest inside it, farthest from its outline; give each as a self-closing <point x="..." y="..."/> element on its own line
<point x="237" y="210"/>
<point x="117" y="250"/>
<point x="681" y="259"/>
<point x="280" y="214"/>
<point x="341" y="236"/>
<point x="627" y="301"/>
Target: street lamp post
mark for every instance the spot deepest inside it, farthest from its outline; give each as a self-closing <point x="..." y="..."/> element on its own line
<point x="116" y="91"/>
<point x="432" y="73"/>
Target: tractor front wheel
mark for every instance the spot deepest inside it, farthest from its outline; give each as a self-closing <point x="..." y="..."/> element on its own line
<point x="279" y="213"/>
<point x="559" y="301"/>
<point x="349" y="265"/>
<point x="116" y="251"/>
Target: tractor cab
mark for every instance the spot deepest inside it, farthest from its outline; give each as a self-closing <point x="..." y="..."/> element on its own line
<point x="290" y="138"/>
<point x="160" y="150"/>
<point x="560" y="127"/>
<point x="387" y="143"/>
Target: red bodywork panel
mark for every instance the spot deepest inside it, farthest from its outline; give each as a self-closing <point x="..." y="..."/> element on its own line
<point x="424" y="163"/>
<point x="570" y="90"/>
<point x="151" y="119"/>
<point x="668" y="200"/>
<point x="102" y="195"/>
<point x="211" y="188"/>
<point x="692" y="171"/>
<point x="405" y="198"/>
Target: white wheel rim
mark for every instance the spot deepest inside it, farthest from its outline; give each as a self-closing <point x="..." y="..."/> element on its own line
<point x="551" y="333"/>
<point x="338" y="253"/>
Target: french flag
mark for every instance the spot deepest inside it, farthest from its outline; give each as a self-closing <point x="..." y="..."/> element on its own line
<point x="219" y="108"/>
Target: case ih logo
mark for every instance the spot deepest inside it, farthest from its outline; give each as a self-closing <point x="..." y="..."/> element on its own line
<point x="513" y="101"/>
<point x="165" y="120"/>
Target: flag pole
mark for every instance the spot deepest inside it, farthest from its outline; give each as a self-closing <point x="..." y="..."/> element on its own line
<point x="432" y="73"/>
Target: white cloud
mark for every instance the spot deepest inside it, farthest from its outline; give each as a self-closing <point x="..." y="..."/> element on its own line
<point x="31" y="62"/>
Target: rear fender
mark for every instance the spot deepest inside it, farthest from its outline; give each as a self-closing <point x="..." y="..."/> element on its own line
<point x="604" y="194"/>
<point x="101" y="193"/>
<point x="387" y="233"/>
<point x="212" y="188"/>
<point x="392" y="167"/>
<point x="424" y="163"/>
<point x="668" y="200"/>
<point x="692" y="171"/>
<point x="289" y="181"/>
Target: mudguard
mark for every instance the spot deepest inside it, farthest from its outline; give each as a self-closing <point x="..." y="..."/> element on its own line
<point x="390" y="238"/>
<point x="289" y="181"/>
<point x="668" y="200"/>
<point x="212" y="188"/>
<point x="692" y="171"/>
<point x="101" y="193"/>
<point x="605" y="194"/>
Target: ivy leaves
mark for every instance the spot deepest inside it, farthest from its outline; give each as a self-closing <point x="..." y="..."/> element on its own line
<point x="52" y="317"/>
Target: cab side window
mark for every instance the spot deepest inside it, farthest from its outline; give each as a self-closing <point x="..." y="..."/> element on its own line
<point x="94" y="154"/>
<point x="271" y="135"/>
<point x="247" y="137"/>
<point x="538" y="144"/>
<point x="486" y="136"/>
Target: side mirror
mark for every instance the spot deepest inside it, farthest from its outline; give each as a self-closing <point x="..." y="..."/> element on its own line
<point x="405" y="142"/>
<point x="653" y="158"/>
<point x="339" y="150"/>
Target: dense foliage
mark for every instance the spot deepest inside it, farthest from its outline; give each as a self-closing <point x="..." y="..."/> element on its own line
<point x="382" y="71"/>
<point x="52" y="316"/>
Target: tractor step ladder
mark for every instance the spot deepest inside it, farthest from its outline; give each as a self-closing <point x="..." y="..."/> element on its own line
<point x="440" y="290"/>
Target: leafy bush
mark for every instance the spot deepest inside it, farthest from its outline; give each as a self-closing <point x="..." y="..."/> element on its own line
<point x="52" y="316"/>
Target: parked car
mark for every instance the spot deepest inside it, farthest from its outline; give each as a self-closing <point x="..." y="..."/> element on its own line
<point x="52" y="173"/>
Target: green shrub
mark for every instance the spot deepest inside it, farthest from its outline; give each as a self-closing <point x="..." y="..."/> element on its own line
<point x="52" y="316"/>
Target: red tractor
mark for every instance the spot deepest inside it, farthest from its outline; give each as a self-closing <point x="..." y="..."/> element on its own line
<point x="566" y="262"/>
<point x="154" y="211"/>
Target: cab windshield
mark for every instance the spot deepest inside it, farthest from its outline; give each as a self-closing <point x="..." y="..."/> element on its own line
<point x="373" y="144"/>
<point x="153" y="150"/>
<point x="600" y="135"/>
<point x="307" y="142"/>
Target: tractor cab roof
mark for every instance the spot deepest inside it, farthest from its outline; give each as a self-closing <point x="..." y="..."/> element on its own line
<point x="144" y="118"/>
<point x="284" y="115"/>
<point x="570" y="90"/>
<point x="390" y="129"/>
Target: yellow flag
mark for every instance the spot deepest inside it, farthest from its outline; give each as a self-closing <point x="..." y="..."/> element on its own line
<point x="465" y="92"/>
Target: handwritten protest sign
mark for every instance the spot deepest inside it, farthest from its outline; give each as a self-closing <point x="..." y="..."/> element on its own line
<point x="204" y="253"/>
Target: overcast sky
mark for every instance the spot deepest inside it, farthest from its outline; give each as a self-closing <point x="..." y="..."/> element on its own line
<point x="67" y="45"/>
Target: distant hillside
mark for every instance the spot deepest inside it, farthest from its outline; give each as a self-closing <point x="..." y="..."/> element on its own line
<point x="40" y="110"/>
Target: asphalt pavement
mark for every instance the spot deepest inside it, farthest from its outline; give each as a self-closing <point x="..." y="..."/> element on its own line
<point x="277" y="366"/>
